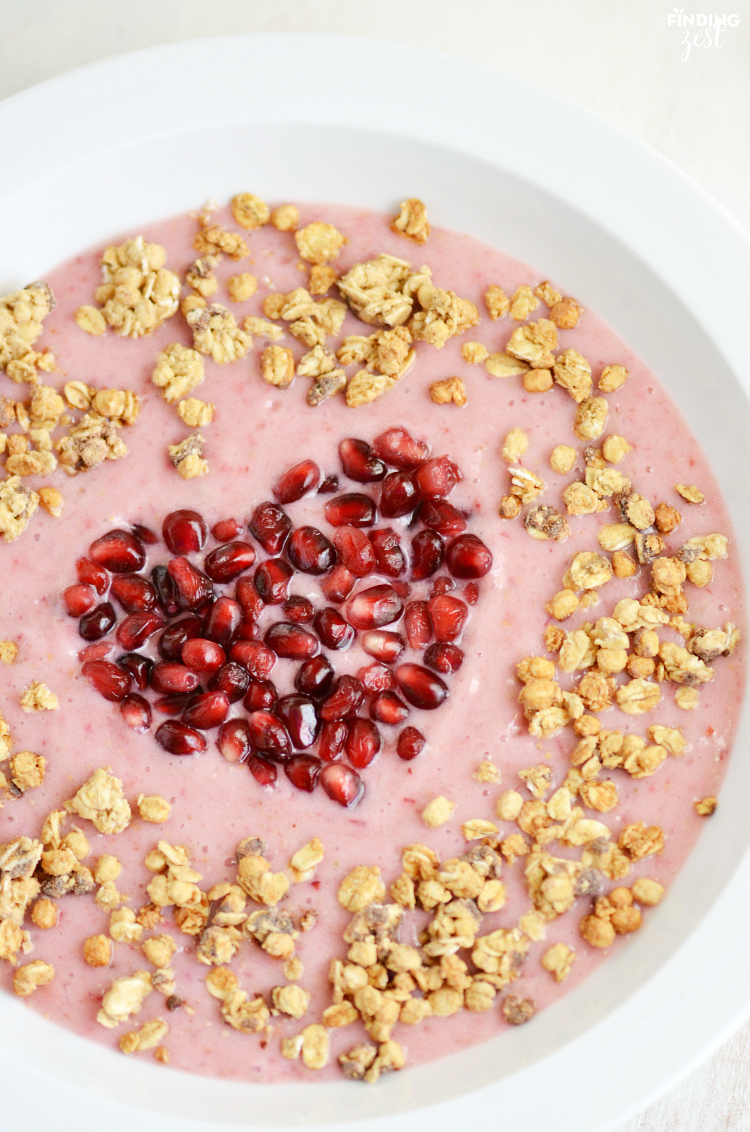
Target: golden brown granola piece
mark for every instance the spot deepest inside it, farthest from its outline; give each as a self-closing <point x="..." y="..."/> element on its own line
<point x="285" y="217"/>
<point x="187" y="457"/>
<point x="21" y="316"/>
<point x="17" y="505"/>
<point x="277" y="366"/>
<point x="214" y="239"/>
<point x="101" y="800"/>
<point x="497" y="301"/>
<point x="90" y="442"/>
<point x="451" y="389"/>
<point x="573" y="373"/>
<point x="319" y="242"/>
<point x="250" y="211"/>
<point x="215" y="332"/>
<point x="138" y="293"/>
<point x="412" y="221"/>
<point x="612" y="377"/>
<point x="534" y="343"/>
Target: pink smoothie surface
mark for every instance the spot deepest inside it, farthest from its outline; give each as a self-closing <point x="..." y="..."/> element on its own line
<point x="258" y="432"/>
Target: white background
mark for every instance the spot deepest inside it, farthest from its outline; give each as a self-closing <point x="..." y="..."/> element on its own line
<point x="617" y="57"/>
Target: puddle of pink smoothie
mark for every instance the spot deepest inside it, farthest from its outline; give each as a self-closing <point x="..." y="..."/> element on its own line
<point x="258" y="432"/>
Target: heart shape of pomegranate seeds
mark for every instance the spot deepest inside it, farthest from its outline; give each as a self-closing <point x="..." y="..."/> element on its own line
<point x="226" y="660"/>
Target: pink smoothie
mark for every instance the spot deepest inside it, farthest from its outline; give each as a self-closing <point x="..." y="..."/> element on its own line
<point x="258" y="432"/>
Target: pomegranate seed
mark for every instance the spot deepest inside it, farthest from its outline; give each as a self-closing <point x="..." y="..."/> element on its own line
<point x="119" y="552"/>
<point x="134" y="593"/>
<point x="362" y="742"/>
<point x="332" y="739"/>
<point x="397" y="447"/>
<point x="448" y="615"/>
<point x="234" y="740"/>
<point x="247" y="595"/>
<point x="354" y="550"/>
<point x="444" y="658"/>
<point x="303" y="771"/>
<point x="329" y="485"/>
<point x="471" y="593"/>
<point x="310" y="551"/>
<point x="292" y="641"/>
<point x="257" y="658"/>
<point x="441" y="516"/>
<point x="173" y="705"/>
<point x="398" y="496"/>
<point x="389" y="556"/>
<point x="272" y="580"/>
<point x="352" y="509"/>
<point x="299" y="609"/>
<point x="359" y="461"/>
<point x="442" y="585"/>
<point x="137" y="628"/>
<point x="185" y="532"/>
<point x="166" y="591"/>
<point x="178" y="739"/>
<point x="206" y="711"/>
<point x="427" y="554"/>
<point x="261" y="696"/>
<point x="418" y="625"/>
<point x="314" y="677"/>
<point x="139" y="667"/>
<point x="422" y="688"/>
<point x="175" y="635"/>
<point x="109" y="680"/>
<point x="410" y="743"/>
<point x="403" y="589"/>
<point x="93" y="575"/>
<point x="223" y="621"/>
<point x="249" y="629"/>
<point x="136" y="712"/>
<point x="345" y="699"/>
<point x="299" y="715"/>
<point x="437" y="477"/>
<point x="97" y="622"/>
<point x="227" y="562"/>
<point x="79" y="599"/>
<point x="268" y="735"/>
<point x="383" y="645"/>
<point x="296" y="482"/>
<point x="203" y="655"/>
<point x="374" y="607"/>
<point x="232" y="679"/>
<point x="342" y="784"/>
<point x="376" y="678"/>
<point x="174" y="679"/>
<point x="338" y="584"/>
<point x="388" y="708"/>
<point x="263" y="771"/>
<point x="100" y="651"/>
<point x="468" y="557"/>
<point x="226" y="530"/>
<point x="145" y="534"/>
<point x="332" y="629"/>
<point x="270" y="526"/>
<point x="194" y="589"/>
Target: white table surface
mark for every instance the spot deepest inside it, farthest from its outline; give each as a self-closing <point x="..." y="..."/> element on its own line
<point x="620" y="58"/>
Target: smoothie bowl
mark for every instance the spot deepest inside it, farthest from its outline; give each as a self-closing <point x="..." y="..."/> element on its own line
<point x="363" y="526"/>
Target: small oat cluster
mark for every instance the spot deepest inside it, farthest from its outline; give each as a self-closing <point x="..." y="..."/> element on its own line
<point x="137" y="295"/>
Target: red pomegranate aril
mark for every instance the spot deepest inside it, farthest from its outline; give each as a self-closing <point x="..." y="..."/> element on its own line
<point x="292" y="641"/>
<point x="136" y="711"/>
<point x="223" y="620"/>
<point x="185" y="532"/>
<point x="174" y="679"/>
<point x="247" y="595"/>
<point x="351" y="510"/>
<point x="398" y="495"/>
<point x="417" y="624"/>
<point x="194" y="589"/>
<point x="136" y="629"/>
<point x="296" y="482"/>
<point x="427" y="554"/>
<point x="232" y="679"/>
<point x="360" y="462"/>
<point x="468" y="557"/>
<point x="272" y="579"/>
<point x="422" y="688"/>
<point x="109" y="680"/>
<point x="178" y="739"/>
<point x="206" y="711"/>
<point x="270" y="526"/>
<point x="397" y="447"/>
<point x="443" y="517"/>
<point x="383" y="645"/>
<point x="337" y="585"/>
<point x="342" y="784"/>
<point x="261" y="695"/>
<point x="310" y="551"/>
<point x="389" y="557"/>
<point x="268" y="735"/>
<point x="79" y="599"/>
<point x="303" y="771"/>
<point x="172" y="705"/>
<point x="403" y="589"/>
<point x="299" y="715"/>
<point x="471" y="593"/>
<point x="92" y="575"/>
<point x="234" y="740"/>
<point x="388" y="708"/>
<point x="166" y="591"/>
<point x="354" y="550"/>
<point x="118" y="551"/>
<point x="299" y="609"/>
<point x="448" y="615"/>
<point x="134" y="593"/>
<point x="249" y="629"/>
<point x="333" y="630"/>
<point x="444" y="658"/>
<point x="101" y="650"/>
<point x="203" y="655"/>
<point x="263" y="770"/>
<point x="139" y="667"/>
<point x="410" y="743"/>
<point x="436" y="478"/>
<point x="376" y="678"/>
<point x="345" y="699"/>
<point x="227" y="562"/>
<point x="256" y="657"/>
<point x="329" y="485"/>
<point x="174" y="636"/>
<point x="314" y="677"/>
<point x="97" y="622"/>
<point x="374" y="607"/>
<point x="362" y="742"/>
<point x="333" y="735"/>
<point x="442" y="585"/>
<point x="226" y="530"/>
<point x="145" y="534"/>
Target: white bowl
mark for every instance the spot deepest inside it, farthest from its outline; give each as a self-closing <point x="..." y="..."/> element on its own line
<point x="102" y="150"/>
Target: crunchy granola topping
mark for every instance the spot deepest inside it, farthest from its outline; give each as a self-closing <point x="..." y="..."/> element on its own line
<point x="21" y="316"/>
<point x="213" y="239"/>
<point x="27" y="770"/>
<point x="101" y="801"/>
<point x="558" y="960"/>
<point x="148" y="1037"/>
<point x="706" y="807"/>
<point x="689" y="492"/>
<point x="250" y="211"/>
<point x="534" y="344"/>
<point x="90" y="442"/>
<point x="242" y="287"/>
<point x="195" y="413"/>
<point x="522" y="303"/>
<point x="186" y="457"/>
<point x="590" y="418"/>
<point x="497" y="301"/>
<point x="17" y="505"/>
<point x="138" y="293"/>
<point x="124" y="998"/>
<point x="412" y="221"/>
<point x="503" y="365"/>
<point x="563" y="459"/>
<point x="573" y="373"/>
<point x="360" y="888"/>
<point x="612" y="377"/>
<point x="32" y="975"/>
<point x="202" y="277"/>
<point x="318" y="242"/>
<point x="518" y="1010"/>
<point x="451" y="389"/>
<point x="438" y="812"/>
<point x="178" y="370"/>
<point x="546" y="523"/>
<point x="285" y="218"/>
<point x="38" y="697"/>
<point x="215" y="332"/>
